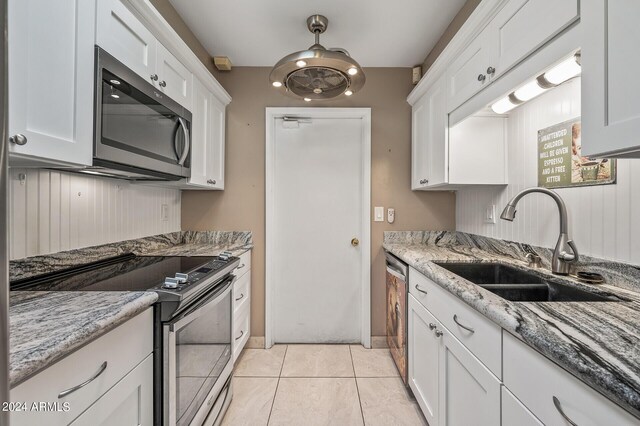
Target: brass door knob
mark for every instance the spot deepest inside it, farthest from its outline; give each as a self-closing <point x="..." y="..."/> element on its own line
<point x="355" y="242"/>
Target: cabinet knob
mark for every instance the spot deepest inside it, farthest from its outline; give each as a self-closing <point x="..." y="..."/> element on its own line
<point x="154" y="77"/>
<point x="481" y="78"/>
<point x="491" y="70"/>
<point x="163" y="83"/>
<point x="432" y="326"/>
<point x="211" y="181"/>
<point x="18" y="139"/>
<point x="424" y="181"/>
<point x="438" y="333"/>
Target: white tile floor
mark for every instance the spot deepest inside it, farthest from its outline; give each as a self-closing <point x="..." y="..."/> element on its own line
<point x="320" y="385"/>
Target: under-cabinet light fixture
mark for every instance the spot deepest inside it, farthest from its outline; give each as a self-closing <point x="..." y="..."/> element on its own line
<point x="565" y="70"/>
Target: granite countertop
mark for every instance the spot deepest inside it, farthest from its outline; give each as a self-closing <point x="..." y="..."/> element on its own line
<point x="598" y="342"/>
<point x="47" y="326"/>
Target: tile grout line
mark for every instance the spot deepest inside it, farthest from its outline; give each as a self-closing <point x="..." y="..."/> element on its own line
<point x="277" y="384"/>
<point x="355" y="378"/>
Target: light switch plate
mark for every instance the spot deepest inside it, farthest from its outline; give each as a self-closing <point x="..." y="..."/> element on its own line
<point x="490" y="214"/>
<point x="378" y="214"/>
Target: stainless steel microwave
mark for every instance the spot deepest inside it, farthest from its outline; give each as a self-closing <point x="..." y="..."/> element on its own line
<point x="140" y="133"/>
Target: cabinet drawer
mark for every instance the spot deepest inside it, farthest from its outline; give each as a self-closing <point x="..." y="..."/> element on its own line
<point x="514" y="413"/>
<point x="245" y="264"/>
<point x="481" y="336"/>
<point x="420" y="287"/>
<point x="129" y="402"/>
<point x="241" y="292"/>
<point x="122" y="349"/>
<point x="242" y="324"/>
<point x="535" y="381"/>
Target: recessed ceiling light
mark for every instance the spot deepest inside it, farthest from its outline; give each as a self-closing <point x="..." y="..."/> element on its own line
<point x="348" y="93"/>
<point x="353" y="71"/>
<point x="301" y="63"/>
<point x="307" y="100"/>
<point x="277" y="84"/>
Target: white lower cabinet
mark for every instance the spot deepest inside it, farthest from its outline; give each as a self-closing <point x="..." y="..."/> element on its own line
<point x="553" y="395"/>
<point x="242" y="304"/>
<point x="514" y="413"/>
<point x="450" y="384"/>
<point x="111" y="377"/>
<point x="128" y="403"/>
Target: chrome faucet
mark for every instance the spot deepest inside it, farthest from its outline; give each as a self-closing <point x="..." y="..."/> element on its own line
<point x="565" y="251"/>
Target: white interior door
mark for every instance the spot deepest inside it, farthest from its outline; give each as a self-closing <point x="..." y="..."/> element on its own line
<point x="317" y="209"/>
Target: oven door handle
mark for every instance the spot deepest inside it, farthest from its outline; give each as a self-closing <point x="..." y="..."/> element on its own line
<point x="187" y="142"/>
<point x="203" y="307"/>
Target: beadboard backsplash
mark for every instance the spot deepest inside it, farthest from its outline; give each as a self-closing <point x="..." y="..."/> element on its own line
<point x="51" y="211"/>
<point x="604" y="221"/>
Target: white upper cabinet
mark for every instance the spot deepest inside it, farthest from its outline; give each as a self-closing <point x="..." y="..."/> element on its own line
<point x="522" y="26"/>
<point x="610" y="83"/>
<point x="174" y="79"/>
<point x="207" y="153"/>
<point x="51" y="63"/>
<point x="121" y="33"/>
<point x="469" y="72"/>
<point x="429" y="138"/>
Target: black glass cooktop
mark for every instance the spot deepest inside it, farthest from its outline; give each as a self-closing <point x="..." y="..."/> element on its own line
<point x="123" y="273"/>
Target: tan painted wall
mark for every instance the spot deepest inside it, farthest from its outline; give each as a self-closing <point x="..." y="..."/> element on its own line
<point x="241" y="206"/>
<point x="448" y="34"/>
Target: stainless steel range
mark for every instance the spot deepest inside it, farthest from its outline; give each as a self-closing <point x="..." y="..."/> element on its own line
<point x="193" y="325"/>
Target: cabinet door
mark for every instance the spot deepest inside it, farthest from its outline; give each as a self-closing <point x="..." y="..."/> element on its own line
<point x="201" y="134"/>
<point x="217" y="146"/>
<point x="514" y="413"/>
<point x="129" y="402"/>
<point x="51" y="80"/>
<point x="469" y="392"/>
<point x="419" y="143"/>
<point x="610" y="84"/>
<point x="524" y="25"/>
<point x="429" y="154"/>
<point x="467" y="74"/>
<point x="120" y="33"/>
<point x="174" y="79"/>
<point x="424" y="352"/>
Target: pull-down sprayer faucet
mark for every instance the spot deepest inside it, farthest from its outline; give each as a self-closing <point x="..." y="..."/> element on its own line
<point x="565" y="251"/>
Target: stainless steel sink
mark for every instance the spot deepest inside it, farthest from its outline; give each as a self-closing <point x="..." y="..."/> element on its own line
<point x="517" y="285"/>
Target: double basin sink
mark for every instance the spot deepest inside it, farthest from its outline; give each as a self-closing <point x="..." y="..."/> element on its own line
<point x="521" y="286"/>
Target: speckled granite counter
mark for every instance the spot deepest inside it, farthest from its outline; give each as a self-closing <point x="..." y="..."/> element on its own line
<point x="46" y="326"/>
<point x="598" y="342"/>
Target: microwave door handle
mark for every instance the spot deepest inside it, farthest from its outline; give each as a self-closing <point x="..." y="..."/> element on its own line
<point x="187" y="142"/>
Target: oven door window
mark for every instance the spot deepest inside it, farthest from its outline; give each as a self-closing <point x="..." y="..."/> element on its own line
<point x="134" y="122"/>
<point x="202" y="351"/>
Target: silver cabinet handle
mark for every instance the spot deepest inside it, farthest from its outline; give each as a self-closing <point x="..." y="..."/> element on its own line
<point x="211" y="181"/>
<point x="81" y="385"/>
<point x="240" y="336"/>
<point x="163" y="83"/>
<point x="18" y="139"/>
<point x="469" y="329"/>
<point x="491" y="70"/>
<point x="423" y="181"/>
<point x="154" y="77"/>
<point x="438" y="333"/>
<point x="187" y="142"/>
<point x="556" y="402"/>
<point x="241" y="296"/>
<point x="481" y="78"/>
<point x="432" y="326"/>
<point x="241" y="266"/>
<point x="421" y="290"/>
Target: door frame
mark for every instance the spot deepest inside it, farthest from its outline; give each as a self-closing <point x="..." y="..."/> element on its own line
<point x="365" y="233"/>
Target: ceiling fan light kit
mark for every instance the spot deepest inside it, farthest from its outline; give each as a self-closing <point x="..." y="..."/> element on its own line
<point x="318" y="73"/>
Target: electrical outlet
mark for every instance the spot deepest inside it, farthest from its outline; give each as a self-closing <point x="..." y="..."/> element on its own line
<point x="490" y="214"/>
<point x="164" y="213"/>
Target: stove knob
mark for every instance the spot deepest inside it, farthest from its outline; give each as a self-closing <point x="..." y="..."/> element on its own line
<point x="170" y="283"/>
<point x="182" y="278"/>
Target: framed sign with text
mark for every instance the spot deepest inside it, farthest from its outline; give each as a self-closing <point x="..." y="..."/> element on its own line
<point x="560" y="161"/>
